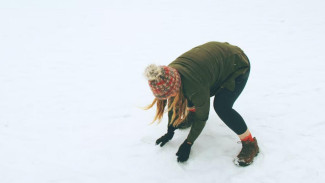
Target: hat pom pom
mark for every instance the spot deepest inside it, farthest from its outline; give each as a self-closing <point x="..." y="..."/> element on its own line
<point x="153" y="72"/>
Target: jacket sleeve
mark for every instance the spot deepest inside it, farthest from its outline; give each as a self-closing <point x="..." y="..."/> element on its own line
<point x="201" y="102"/>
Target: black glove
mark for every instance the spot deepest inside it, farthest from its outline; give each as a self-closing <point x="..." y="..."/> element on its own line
<point x="165" y="138"/>
<point x="183" y="152"/>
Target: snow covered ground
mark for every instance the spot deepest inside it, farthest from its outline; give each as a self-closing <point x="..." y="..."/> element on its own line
<point x="71" y="88"/>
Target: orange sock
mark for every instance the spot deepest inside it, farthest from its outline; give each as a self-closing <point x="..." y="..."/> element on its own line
<point x="248" y="138"/>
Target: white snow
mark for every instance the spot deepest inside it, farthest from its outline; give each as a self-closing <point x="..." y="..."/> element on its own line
<point x="72" y="88"/>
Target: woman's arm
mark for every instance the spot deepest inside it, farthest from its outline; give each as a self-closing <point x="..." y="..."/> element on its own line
<point x="202" y="106"/>
<point x="170" y="132"/>
<point x="201" y="115"/>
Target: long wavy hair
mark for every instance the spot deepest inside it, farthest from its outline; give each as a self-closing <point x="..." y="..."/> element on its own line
<point x="176" y="104"/>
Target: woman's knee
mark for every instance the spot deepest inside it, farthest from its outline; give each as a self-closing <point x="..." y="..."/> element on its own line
<point x="222" y="110"/>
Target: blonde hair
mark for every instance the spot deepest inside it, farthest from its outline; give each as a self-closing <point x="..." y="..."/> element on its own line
<point x="177" y="104"/>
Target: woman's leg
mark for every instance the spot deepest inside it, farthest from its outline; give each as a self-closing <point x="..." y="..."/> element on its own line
<point x="223" y="105"/>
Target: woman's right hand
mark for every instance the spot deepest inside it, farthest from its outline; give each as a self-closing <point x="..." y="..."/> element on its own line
<point x="164" y="139"/>
<point x="167" y="137"/>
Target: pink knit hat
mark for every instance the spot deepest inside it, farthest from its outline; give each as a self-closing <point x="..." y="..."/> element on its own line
<point x="164" y="81"/>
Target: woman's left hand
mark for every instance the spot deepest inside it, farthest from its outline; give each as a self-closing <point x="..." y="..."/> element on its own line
<point x="183" y="152"/>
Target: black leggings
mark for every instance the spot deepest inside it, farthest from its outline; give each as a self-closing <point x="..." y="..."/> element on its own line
<point x="224" y="101"/>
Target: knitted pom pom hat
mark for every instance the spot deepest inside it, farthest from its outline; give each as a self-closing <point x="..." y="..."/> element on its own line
<point x="164" y="81"/>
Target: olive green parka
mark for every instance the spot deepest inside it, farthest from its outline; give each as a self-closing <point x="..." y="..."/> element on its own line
<point x="204" y="70"/>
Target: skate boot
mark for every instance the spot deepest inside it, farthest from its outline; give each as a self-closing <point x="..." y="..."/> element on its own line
<point x="247" y="154"/>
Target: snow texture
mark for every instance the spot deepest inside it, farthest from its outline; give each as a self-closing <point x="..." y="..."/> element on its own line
<point x="72" y="88"/>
